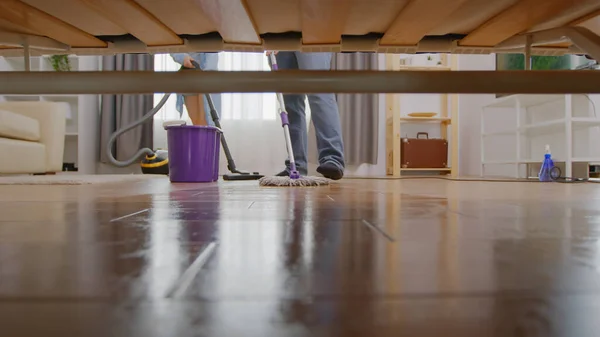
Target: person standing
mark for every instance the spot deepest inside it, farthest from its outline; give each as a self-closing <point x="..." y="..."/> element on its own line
<point x="324" y="115"/>
<point x="195" y="103"/>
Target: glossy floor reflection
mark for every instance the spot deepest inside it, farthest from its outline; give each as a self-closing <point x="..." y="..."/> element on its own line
<point x="357" y="258"/>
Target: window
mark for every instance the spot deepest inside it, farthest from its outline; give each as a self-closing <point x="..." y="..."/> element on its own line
<point x="234" y="106"/>
<point x="517" y="62"/>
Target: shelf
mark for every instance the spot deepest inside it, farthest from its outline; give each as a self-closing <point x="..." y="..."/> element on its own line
<point x="416" y="68"/>
<point x="58" y="98"/>
<point x="78" y="149"/>
<point x="61" y="97"/>
<point x="555" y="125"/>
<point x="398" y="121"/>
<point x="21" y="98"/>
<point x="526" y="101"/>
<point x="525" y="135"/>
<point x="585" y="160"/>
<point x="499" y="162"/>
<point x="558" y="125"/>
<point x="539" y="161"/>
<point x="444" y="120"/>
<point x="499" y="133"/>
<point x="72" y="100"/>
<point x="427" y="169"/>
<point x="38" y="63"/>
<point x="18" y="63"/>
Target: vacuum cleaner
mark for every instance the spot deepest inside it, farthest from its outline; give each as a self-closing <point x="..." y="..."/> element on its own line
<point x="158" y="162"/>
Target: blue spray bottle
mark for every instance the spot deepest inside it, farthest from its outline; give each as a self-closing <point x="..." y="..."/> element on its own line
<point x="547" y="166"/>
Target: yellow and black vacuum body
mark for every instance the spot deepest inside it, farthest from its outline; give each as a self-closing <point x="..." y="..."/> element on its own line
<point x="157" y="163"/>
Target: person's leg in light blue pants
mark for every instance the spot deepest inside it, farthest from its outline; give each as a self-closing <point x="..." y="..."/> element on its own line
<point x="206" y="61"/>
<point x="324" y="115"/>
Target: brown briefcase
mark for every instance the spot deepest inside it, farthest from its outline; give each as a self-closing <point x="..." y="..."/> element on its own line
<point x="423" y="152"/>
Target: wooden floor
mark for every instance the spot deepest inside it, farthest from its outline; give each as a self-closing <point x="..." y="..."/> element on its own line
<point x="358" y="258"/>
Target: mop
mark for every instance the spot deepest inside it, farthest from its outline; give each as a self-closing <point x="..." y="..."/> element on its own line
<point x="294" y="178"/>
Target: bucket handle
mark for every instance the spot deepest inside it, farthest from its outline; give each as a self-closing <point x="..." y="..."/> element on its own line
<point x="166" y="124"/>
<point x="175" y="122"/>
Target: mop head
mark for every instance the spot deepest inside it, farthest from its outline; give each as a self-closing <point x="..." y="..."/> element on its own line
<point x="289" y="182"/>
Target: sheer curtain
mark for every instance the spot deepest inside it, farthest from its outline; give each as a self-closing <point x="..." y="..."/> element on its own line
<point x="249" y="121"/>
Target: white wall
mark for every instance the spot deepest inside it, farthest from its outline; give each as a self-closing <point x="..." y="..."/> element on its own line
<point x="469" y="117"/>
<point x="594" y="133"/>
<point x="4" y="66"/>
<point x="88" y="146"/>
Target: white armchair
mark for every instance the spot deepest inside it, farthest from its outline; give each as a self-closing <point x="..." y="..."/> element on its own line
<point x="32" y="136"/>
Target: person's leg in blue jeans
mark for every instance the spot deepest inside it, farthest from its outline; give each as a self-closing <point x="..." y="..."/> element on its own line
<point x="295" y="107"/>
<point x="324" y="115"/>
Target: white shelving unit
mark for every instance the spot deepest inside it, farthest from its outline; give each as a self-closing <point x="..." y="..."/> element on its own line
<point x="558" y="118"/>
<point x="83" y="113"/>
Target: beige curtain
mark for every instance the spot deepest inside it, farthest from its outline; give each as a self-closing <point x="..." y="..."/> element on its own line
<point x="120" y="110"/>
<point x="359" y="114"/>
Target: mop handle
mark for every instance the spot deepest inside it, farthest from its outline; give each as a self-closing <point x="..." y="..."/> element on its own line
<point x="279" y="95"/>
<point x="285" y="121"/>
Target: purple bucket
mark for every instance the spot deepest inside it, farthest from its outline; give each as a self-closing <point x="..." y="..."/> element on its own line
<point x="193" y="153"/>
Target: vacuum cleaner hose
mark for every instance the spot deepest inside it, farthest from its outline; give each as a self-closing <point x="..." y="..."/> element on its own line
<point x="141" y="152"/>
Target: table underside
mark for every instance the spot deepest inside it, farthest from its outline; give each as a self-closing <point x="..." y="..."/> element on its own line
<point x="387" y="26"/>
